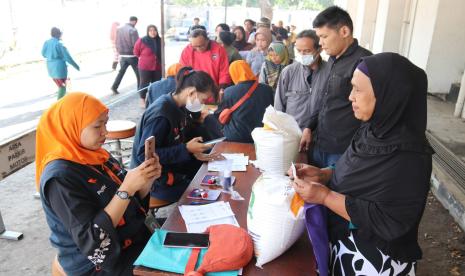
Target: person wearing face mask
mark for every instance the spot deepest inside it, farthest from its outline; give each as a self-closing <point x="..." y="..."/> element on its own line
<point x="301" y="83"/>
<point x="166" y="120"/>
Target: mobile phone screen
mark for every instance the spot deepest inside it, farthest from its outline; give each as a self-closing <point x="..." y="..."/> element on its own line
<point x="191" y="240"/>
<point x="215" y="141"/>
<point x="149" y="147"/>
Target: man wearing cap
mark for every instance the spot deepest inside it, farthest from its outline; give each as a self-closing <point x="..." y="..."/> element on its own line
<point x="263" y="23"/>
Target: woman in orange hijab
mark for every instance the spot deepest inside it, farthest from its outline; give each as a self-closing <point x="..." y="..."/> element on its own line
<point x="248" y="114"/>
<point x="94" y="208"/>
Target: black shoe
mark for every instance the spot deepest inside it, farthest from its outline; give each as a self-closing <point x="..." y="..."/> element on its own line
<point x="115" y="91"/>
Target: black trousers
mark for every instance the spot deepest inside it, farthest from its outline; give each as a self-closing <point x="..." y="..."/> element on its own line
<point x="124" y="63"/>
<point x="147" y="77"/>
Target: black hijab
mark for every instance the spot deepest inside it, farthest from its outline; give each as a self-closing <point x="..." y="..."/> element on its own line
<point x="242" y="44"/>
<point x="385" y="172"/>
<point x="153" y="43"/>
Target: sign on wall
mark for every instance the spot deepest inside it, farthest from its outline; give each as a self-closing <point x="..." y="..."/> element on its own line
<point x="17" y="153"/>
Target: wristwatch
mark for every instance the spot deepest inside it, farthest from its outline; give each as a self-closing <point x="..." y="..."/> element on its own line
<point x="123" y="195"/>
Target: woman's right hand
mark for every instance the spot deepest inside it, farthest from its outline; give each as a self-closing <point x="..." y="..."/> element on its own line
<point x="196" y="146"/>
<point x="310" y="173"/>
<point x="142" y="176"/>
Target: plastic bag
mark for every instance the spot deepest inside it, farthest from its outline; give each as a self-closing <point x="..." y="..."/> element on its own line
<point x="276" y="144"/>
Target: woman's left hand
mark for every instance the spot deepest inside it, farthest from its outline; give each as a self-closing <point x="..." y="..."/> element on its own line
<point x="311" y="192"/>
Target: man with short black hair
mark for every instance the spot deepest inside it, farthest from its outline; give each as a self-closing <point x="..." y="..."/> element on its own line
<point x="335" y="123"/>
<point x="208" y="56"/>
<point x="302" y="83"/>
<point x="126" y="37"/>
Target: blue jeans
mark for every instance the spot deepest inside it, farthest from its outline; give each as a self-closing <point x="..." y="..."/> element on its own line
<point x="323" y="159"/>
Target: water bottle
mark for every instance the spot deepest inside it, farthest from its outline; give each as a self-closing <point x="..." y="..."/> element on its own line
<point x="225" y="176"/>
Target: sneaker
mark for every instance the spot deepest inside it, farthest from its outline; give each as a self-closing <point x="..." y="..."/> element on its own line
<point x="115" y="91"/>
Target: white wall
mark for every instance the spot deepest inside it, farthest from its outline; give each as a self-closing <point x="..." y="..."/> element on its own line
<point x="369" y="22"/>
<point x="422" y="34"/>
<point x="388" y="28"/>
<point x="446" y="60"/>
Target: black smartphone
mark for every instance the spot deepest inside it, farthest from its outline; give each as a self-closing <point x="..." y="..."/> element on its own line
<point x="189" y="240"/>
<point x="149" y="147"/>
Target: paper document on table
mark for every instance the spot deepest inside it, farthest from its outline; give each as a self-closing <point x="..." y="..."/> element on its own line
<point x="199" y="217"/>
<point x="240" y="162"/>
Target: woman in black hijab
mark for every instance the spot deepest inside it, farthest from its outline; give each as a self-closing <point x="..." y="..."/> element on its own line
<point x="148" y="50"/>
<point x="377" y="191"/>
<point x="240" y="42"/>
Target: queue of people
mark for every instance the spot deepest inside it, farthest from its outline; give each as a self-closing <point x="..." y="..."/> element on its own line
<point x="363" y="119"/>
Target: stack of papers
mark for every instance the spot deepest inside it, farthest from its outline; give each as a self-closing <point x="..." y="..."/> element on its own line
<point x="199" y="217"/>
<point x="240" y="162"/>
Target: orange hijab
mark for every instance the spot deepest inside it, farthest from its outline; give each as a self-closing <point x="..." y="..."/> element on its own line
<point x="240" y="71"/>
<point x="173" y="70"/>
<point x="58" y="134"/>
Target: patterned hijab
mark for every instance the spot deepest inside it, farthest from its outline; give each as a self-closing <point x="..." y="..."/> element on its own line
<point x="58" y="134"/>
<point x="273" y="70"/>
<point x="281" y="50"/>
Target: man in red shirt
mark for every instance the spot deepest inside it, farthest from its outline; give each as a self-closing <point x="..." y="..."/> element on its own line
<point x="206" y="55"/>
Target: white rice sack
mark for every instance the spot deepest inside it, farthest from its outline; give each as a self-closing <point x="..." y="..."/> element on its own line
<point x="270" y="221"/>
<point x="276" y="146"/>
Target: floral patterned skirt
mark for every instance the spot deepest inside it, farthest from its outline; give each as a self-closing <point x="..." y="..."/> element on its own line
<point x="355" y="257"/>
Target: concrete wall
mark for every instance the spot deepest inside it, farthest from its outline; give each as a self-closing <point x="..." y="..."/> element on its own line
<point x="363" y="14"/>
<point x="423" y="30"/>
<point x="388" y="29"/>
<point x="446" y="58"/>
<point x="369" y="23"/>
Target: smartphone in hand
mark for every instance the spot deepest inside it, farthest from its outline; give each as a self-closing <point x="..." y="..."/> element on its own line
<point x="149" y="147"/>
<point x="215" y="141"/>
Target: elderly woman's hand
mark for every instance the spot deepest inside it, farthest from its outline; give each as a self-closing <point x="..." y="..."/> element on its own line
<point x="310" y="173"/>
<point x="311" y="192"/>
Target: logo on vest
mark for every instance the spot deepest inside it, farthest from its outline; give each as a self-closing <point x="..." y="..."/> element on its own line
<point x="99" y="192"/>
<point x="214" y="56"/>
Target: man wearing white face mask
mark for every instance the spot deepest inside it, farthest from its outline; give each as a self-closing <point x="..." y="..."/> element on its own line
<point x="301" y="84"/>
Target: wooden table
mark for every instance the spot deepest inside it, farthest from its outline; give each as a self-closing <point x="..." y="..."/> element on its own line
<point x="296" y="261"/>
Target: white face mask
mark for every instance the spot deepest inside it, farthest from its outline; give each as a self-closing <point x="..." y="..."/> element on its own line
<point x="194" y="106"/>
<point x="305" y="60"/>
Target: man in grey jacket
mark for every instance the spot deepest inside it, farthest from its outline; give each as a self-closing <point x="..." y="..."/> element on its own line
<point x="301" y="84"/>
<point x="126" y="37"/>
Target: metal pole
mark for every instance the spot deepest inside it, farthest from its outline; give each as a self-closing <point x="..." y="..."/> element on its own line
<point x="225" y="10"/>
<point x="162" y="28"/>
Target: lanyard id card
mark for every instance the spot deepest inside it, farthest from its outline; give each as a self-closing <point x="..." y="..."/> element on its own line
<point x="151" y="222"/>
